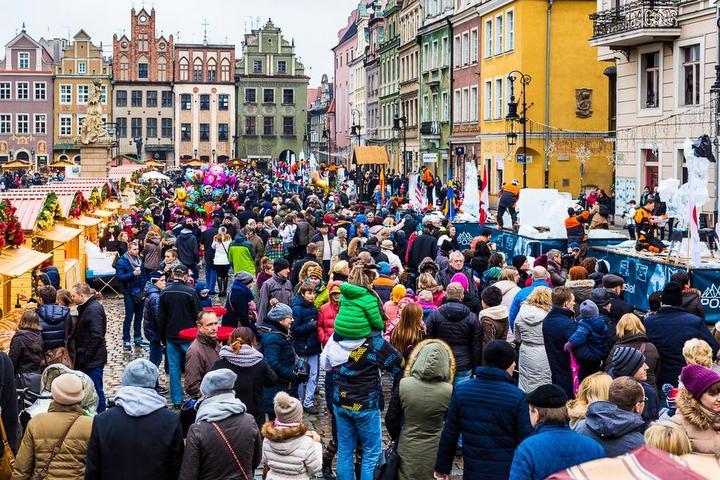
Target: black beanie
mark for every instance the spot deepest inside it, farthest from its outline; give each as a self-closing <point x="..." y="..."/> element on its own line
<point x="280" y="264"/>
<point x="672" y="294"/>
<point x="492" y="296"/>
<point x="547" y="396"/>
<point x="518" y="261"/>
<point x="499" y="354"/>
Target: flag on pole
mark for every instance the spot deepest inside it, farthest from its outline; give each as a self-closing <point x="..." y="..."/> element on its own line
<point x="693" y="224"/>
<point x="484" y="199"/>
<point x="450" y="207"/>
<point x="382" y="184"/>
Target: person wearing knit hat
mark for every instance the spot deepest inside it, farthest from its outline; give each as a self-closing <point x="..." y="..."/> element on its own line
<point x="289" y="449"/>
<point x="614" y="285"/>
<point x="554" y="446"/>
<point x="277" y="346"/>
<point x="672" y="294"/>
<point x="698" y="407"/>
<point x="588" y="341"/>
<point x="278" y="287"/>
<point x="520" y="262"/>
<point x="67" y="389"/>
<point x="631" y="362"/>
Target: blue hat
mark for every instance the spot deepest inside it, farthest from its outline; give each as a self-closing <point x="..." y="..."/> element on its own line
<point x="383" y="268"/>
<point x="361" y="218"/>
<point x="140" y="373"/>
<point x="574" y="246"/>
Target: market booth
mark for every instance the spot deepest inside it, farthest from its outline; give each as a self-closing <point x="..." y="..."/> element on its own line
<point x="17" y="274"/>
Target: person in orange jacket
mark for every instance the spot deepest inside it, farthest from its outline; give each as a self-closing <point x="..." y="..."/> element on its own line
<point x="509" y="195"/>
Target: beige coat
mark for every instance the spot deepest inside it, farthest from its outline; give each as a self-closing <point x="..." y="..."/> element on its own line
<point x="43" y="433"/>
<point x="290" y="453"/>
<point x="701" y="425"/>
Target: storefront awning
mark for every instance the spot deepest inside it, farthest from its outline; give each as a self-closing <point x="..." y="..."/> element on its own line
<point x="370" y="155"/>
<point x="84" y="221"/>
<point x="59" y="233"/>
<point x="15" y="262"/>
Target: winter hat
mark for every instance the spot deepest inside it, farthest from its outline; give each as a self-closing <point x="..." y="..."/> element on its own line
<point x="578" y="272"/>
<point x="383" y="268"/>
<point x="386" y="245"/>
<point x="499" y="354"/>
<point x="541" y="261"/>
<point x="672" y="294"/>
<point x="600" y="297"/>
<point x="361" y="219"/>
<point x="612" y="281"/>
<point x="696" y="379"/>
<point x="518" y="261"/>
<point x="547" y="396"/>
<point x="244" y="277"/>
<point x="140" y="373"/>
<point x="218" y="381"/>
<point x="201" y="287"/>
<point x="626" y="361"/>
<point x="67" y="389"/>
<point x="588" y="309"/>
<point x="491" y="296"/>
<point x="280" y="264"/>
<point x="288" y="410"/>
<point x="155" y="276"/>
<point x="398" y="293"/>
<point x="602" y="267"/>
<point x="279" y="312"/>
<point x="316" y="272"/>
<point x="461" y="279"/>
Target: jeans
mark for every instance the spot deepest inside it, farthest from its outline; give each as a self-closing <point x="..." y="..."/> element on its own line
<point x="210" y="275"/>
<point x="132" y="310"/>
<point x="351" y="425"/>
<point x="501" y="211"/>
<point x="176" y="354"/>
<point x="308" y="388"/>
<point x="96" y="375"/>
<point x="156" y="352"/>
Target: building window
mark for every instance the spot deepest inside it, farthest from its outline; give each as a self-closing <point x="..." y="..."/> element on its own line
<point x="40" y="124"/>
<point x="185" y="101"/>
<point x="223" y="102"/>
<point x="82" y="68"/>
<point x="268" y="95"/>
<point x="510" y="27"/>
<point x="167" y="127"/>
<point x="289" y="126"/>
<point x="222" y="132"/>
<point x="167" y="99"/>
<point x="487" y="114"/>
<point x="22" y="90"/>
<point x="162" y="69"/>
<point x="120" y="127"/>
<point x="185" y="132"/>
<point x="24" y="61"/>
<point x="465" y="104"/>
<point x="225" y="70"/>
<point x="650" y="79"/>
<point x="499" y="35"/>
<point x="184" y="69"/>
<point x="457" y="47"/>
<point x="22" y="124"/>
<point x="282" y="66"/>
<point x="473" y="46"/>
<point x="212" y="70"/>
<point x="151" y="98"/>
<point x="136" y="127"/>
<point x="457" y="103"/>
<point x="65" y="129"/>
<point x="83" y="92"/>
<point x="40" y="90"/>
<point x="204" y="102"/>
<point x="120" y="96"/>
<point x="488" y="39"/>
<point x="690" y="82"/>
<point x="103" y="94"/>
<point x="124" y="68"/>
<point x="142" y="70"/>
<point x="136" y="98"/>
<point x="5" y="91"/>
<point x="473" y="103"/>
<point x="268" y="125"/>
<point x="445" y="52"/>
<point x="288" y="96"/>
<point x="197" y="70"/>
<point x="151" y="127"/>
<point x="80" y="123"/>
<point x="143" y="43"/>
<point x="204" y="132"/>
<point x="250" y="128"/>
<point x="5" y="124"/>
<point x="66" y="95"/>
<point x="498" y="98"/>
<point x="465" y="48"/>
<point x="250" y="95"/>
<point x="257" y="66"/>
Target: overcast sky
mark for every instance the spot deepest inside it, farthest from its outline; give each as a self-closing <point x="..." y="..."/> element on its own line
<point x="313" y="23"/>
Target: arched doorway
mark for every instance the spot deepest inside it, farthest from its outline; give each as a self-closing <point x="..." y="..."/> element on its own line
<point x="223" y="159"/>
<point x="286" y="155"/>
<point x="76" y="159"/>
<point x="22" y="156"/>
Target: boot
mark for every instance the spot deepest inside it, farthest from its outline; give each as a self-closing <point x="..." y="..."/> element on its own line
<point x="327" y="471"/>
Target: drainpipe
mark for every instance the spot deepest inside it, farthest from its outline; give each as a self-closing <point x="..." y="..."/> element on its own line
<point x="547" y="94"/>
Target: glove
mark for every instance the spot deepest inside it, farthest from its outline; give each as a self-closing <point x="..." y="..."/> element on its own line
<point x="568" y="347"/>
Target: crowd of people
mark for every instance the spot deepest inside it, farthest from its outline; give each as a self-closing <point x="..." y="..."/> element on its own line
<point x="524" y="367"/>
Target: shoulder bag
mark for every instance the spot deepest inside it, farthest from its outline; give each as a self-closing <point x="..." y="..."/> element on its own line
<point x="62" y="354"/>
<point x="42" y="474"/>
<point x="388" y="464"/>
<point x="8" y="459"/>
<point x="232" y="450"/>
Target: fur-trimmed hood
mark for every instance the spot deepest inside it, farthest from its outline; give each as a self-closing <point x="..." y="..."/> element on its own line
<point x="427" y="363"/>
<point x="580" y="283"/>
<point x="271" y="432"/>
<point x="697" y="415"/>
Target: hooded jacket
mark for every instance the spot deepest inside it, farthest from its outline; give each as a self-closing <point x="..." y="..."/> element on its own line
<point x="456" y="325"/>
<point x="290" y="453"/>
<point x="280" y="356"/>
<point x="589" y="339"/>
<point x="617" y="430"/>
<point x="304" y="327"/>
<point x="26" y="351"/>
<point x="90" y="348"/>
<point x="533" y="362"/>
<point x="199" y="359"/>
<point x="326" y="321"/>
<point x="275" y="287"/>
<point x="557" y="329"/>
<point x="152" y="252"/>
<point x="139" y="438"/>
<point x="494" y="324"/>
<point x="359" y="313"/>
<point x="509" y="289"/>
<point x="237" y="305"/>
<point x="521" y="296"/>
<point x="187" y="247"/>
<point x="701" y="425"/>
<point x="55" y="321"/>
<point x="150" y="311"/>
<point x="242" y="255"/>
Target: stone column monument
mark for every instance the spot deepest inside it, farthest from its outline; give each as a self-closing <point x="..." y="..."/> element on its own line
<point x="97" y="146"/>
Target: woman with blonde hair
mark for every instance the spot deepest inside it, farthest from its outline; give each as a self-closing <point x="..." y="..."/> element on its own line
<point x="533" y="363"/>
<point x="340" y="271"/>
<point x="409" y="331"/>
<point x="507" y="283"/>
<point x="698" y="352"/>
<point x="427" y="282"/>
<point x="354" y="247"/>
<point x="340" y="243"/>
<point x="594" y="388"/>
<point x="630" y="332"/>
<point x="668" y="437"/>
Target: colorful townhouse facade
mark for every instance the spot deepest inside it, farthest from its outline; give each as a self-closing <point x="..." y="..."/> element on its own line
<point x="390" y="85"/>
<point x="410" y="17"/>
<point x="344" y="52"/>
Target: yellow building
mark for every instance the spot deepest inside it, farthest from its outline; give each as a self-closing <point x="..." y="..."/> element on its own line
<point x="567" y="91"/>
<point x="81" y="63"/>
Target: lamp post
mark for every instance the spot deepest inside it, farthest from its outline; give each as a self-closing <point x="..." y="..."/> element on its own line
<point x="512" y="116"/>
<point x="715" y="92"/>
<point x="326" y="138"/>
<point x="32" y="159"/>
<point x="400" y="123"/>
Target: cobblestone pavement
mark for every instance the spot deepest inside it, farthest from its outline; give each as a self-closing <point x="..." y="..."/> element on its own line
<point x="119" y="358"/>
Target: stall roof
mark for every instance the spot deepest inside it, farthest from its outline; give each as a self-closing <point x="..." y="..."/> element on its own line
<point x="370" y="155"/>
<point x="112" y="205"/>
<point x="15" y="262"/>
<point x="65" y="197"/>
<point x="98" y="212"/>
<point x="84" y="221"/>
<point x="28" y="204"/>
<point x="59" y="233"/>
<point x="124" y="171"/>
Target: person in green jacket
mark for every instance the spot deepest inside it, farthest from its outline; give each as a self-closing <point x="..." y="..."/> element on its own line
<point x="361" y="310"/>
<point x="242" y="255"/>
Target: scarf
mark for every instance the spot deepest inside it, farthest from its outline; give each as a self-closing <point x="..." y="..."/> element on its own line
<point x="139" y="401"/>
<point x="135" y="262"/>
<point x="246" y="357"/>
<point x="219" y="407"/>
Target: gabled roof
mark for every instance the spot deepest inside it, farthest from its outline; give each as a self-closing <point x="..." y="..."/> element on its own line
<point x="20" y="35"/>
<point x="81" y="35"/>
<point x="349" y="33"/>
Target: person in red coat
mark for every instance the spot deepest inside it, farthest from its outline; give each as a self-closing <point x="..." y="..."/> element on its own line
<point x="327" y="314"/>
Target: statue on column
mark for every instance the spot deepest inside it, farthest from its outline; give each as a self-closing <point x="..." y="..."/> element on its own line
<point x="93" y="130"/>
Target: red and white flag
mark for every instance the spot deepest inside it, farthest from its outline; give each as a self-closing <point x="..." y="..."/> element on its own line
<point x="484" y="198"/>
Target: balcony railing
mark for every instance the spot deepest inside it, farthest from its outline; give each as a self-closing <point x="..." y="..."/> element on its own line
<point x="430" y="128"/>
<point x="639" y="15"/>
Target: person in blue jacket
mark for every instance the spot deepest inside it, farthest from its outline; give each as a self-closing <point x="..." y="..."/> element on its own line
<point x="305" y="340"/>
<point x="589" y="342"/>
<point x="153" y="287"/>
<point x="279" y="352"/>
<point x="491" y="413"/>
<point x="554" y="446"/>
<point x="539" y="279"/>
<point x="201" y="287"/>
<point x="130" y="274"/>
<point x="238" y="301"/>
<point x="557" y="328"/>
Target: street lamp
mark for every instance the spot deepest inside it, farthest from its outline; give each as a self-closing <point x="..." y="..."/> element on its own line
<point x="512" y="116"/>
<point x="213" y="155"/>
<point x="400" y="123"/>
<point x="355" y="127"/>
<point x="326" y="138"/>
<point x="32" y="158"/>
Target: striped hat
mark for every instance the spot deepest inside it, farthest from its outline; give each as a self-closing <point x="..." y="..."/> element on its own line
<point x="626" y="361"/>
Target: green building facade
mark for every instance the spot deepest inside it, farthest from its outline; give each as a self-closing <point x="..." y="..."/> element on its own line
<point x="271" y="98"/>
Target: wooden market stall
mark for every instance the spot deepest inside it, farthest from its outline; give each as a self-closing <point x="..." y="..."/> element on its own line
<point x="17" y="266"/>
<point x="89" y="227"/>
<point x="64" y="245"/>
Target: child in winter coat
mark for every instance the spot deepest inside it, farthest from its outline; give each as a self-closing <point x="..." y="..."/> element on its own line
<point x="360" y="310"/>
<point x="493" y="316"/>
<point x="392" y="306"/>
<point x="327" y="314"/>
<point x="425" y="300"/>
<point x="204" y="293"/>
<point x="304" y="332"/>
<point x="589" y="342"/>
<point x="289" y="449"/>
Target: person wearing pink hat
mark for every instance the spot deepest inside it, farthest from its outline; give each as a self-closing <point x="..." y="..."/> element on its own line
<point x="698" y="408"/>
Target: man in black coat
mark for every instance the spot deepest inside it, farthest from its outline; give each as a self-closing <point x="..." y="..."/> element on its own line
<point x="615" y="286"/>
<point x="206" y="239"/>
<point x="425" y="245"/>
<point x="557" y="328"/>
<point x="178" y="309"/>
<point x="188" y="249"/>
<point x="139" y="438"/>
<point x="8" y="400"/>
<point x="90" y="349"/>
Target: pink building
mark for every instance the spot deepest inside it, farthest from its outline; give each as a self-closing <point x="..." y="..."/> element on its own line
<point x="344" y="53"/>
